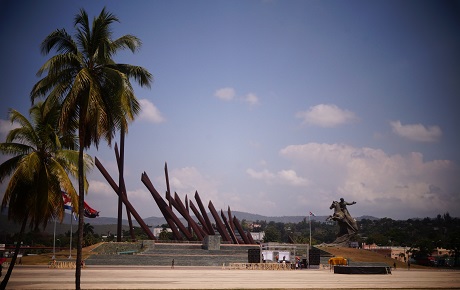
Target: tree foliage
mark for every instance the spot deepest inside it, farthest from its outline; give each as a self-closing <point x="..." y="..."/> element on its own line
<point x="39" y="167"/>
<point x="420" y="236"/>
<point x="94" y="92"/>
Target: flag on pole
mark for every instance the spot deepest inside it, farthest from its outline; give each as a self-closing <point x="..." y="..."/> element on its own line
<point x="67" y="201"/>
<point x="312" y="214"/>
<point x="88" y="212"/>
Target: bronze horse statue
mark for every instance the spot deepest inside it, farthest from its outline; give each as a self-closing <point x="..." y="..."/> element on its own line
<point x="346" y="223"/>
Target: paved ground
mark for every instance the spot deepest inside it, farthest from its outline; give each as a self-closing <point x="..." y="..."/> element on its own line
<point x="113" y="277"/>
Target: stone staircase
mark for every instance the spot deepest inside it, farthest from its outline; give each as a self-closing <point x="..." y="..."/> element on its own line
<point x="151" y="253"/>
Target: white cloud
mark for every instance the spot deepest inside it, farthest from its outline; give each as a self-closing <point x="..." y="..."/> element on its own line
<point x="286" y="177"/>
<point x="252" y="99"/>
<point x="417" y="132"/>
<point x="312" y="176"/>
<point x="385" y="185"/>
<point x="5" y="127"/>
<point x="187" y="180"/>
<point x="265" y="175"/>
<point x="324" y="115"/>
<point x="99" y="188"/>
<point x="229" y="94"/>
<point x="225" y="94"/>
<point x="149" y="112"/>
<point x="255" y="144"/>
<point x="291" y="177"/>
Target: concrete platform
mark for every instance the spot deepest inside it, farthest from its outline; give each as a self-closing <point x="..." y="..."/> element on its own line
<point x="134" y="277"/>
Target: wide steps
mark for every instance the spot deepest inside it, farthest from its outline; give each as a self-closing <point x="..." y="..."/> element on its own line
<point x="162" y="254"/>
<point x="157" y="260"/>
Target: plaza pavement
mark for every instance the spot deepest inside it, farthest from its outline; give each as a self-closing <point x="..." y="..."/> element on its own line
<point x="147" y="277"/>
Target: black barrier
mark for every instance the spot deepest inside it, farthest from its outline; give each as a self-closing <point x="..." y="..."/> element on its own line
<point x="314" y="256"/>
<point x="253" y="255"/>
<point x="362" y="270"/>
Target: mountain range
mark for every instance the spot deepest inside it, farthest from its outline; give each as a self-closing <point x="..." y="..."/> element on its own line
<point x="104" y="224"/>
<point x="158" y="221"/>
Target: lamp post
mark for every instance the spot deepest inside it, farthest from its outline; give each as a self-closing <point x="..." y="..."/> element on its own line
<point x="309" y="248"/>
<point x="309" y="221"/>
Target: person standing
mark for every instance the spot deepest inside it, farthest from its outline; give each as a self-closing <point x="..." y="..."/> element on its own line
<point x="172" y="264"/>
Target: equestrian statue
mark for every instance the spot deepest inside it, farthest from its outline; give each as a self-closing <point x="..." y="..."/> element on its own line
<point x="347" y="225"/>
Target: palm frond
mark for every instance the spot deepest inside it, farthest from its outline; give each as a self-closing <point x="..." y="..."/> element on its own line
<point x="63" y="182"/>
<point x="11" y="148"/>
<point x="142" y="76"/>
<point x="22" y="176"/>
<point x="128" y="41"/>
<point x="81" y="23"/>
<point x="16" y="116"/>
<point x="24" y="133"/>
<point x="69" y="62"/>
<point x="60" y="40"/>
<point x="9" y="166"/>
<point x="56" y="85"/>
<point x="68" y="159"/>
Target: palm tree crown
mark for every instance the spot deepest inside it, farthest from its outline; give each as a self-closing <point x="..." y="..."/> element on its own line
<point x="40" y="165"/>
<point x="39" y="168"/>
<point x="96" y="93"/>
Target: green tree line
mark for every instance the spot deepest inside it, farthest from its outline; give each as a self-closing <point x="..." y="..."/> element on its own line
<point x="425" y="234"/>
<point x="420" y="236"/>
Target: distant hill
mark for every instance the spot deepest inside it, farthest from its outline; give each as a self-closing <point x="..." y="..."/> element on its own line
<point x="102" y="225"/>
<point x="154" y="221"/>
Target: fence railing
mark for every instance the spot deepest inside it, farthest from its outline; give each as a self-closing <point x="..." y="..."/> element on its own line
<point x="260" y="266"/>
<point x="62" y="265"/>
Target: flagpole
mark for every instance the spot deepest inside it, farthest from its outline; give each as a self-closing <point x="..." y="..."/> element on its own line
<point x="309" y="248"/>
<point x="71" y="222"/>
<point x="309" y="220"/>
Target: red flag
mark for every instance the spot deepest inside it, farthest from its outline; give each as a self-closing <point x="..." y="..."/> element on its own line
<point x="89" y="212"/>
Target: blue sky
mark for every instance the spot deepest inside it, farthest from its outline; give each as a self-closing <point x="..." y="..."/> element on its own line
<point x="273" y="107"/>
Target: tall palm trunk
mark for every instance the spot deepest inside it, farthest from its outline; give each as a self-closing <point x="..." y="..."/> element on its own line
<point x="15" y="255"/>
<point x="120" y="188"/>
<point x="81" y="210"/>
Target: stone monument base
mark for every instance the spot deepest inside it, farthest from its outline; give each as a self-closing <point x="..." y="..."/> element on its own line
<point x="211" y="242"/>
<point x="343" y="240"/>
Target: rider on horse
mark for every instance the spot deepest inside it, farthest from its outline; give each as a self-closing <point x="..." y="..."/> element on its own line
<point x="343" y="206"/>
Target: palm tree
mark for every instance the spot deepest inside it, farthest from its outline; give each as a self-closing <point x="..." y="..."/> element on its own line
<point x="39" y="169"/>
<point x="95" y="92"/>
<point x="88" y="229"/>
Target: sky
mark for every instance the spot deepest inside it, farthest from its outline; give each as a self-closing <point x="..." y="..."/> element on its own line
<point x="272" y="107"/>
